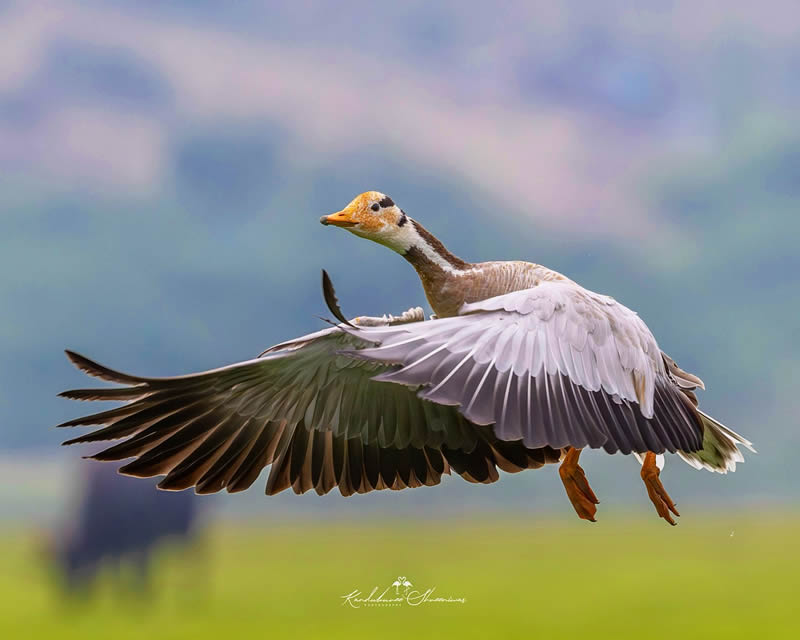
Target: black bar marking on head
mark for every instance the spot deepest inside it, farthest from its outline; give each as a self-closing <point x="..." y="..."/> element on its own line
<point x="403" y="219"/>
<point x="386" y="202"/>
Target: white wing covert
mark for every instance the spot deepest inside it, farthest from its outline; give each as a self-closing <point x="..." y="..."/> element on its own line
<point x="555" y="365"/>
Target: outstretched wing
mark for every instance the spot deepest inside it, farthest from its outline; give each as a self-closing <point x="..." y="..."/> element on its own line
<point x="555" y="365"/>
<point x="314" y="415"/>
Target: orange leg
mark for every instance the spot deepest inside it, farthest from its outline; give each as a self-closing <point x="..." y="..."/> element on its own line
<point x="579" y="492"/>
<point x="658" y="495"/>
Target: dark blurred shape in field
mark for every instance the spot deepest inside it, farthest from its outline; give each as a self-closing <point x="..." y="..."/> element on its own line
<point x="119" y="526"/>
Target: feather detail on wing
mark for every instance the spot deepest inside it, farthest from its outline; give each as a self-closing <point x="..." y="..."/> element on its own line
<point x="555" y="365"/>
<point x="314" y="416"/>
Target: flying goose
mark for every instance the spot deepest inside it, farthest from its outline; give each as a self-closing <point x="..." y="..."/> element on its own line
<point x="520" y="367"/>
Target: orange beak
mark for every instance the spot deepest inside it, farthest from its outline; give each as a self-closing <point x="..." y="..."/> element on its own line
<point x="339" y="219"/>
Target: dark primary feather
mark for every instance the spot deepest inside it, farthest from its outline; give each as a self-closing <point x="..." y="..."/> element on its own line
<point x="331" y="300"/>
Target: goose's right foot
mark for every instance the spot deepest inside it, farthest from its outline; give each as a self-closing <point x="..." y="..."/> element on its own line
<point x="658" y="494"/>
<point x="579" y="492"/>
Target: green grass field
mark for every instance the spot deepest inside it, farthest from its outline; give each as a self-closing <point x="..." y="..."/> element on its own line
<point x="713" y="576"/>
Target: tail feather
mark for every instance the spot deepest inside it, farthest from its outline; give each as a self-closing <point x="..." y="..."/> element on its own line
<point x="720" y="451"/>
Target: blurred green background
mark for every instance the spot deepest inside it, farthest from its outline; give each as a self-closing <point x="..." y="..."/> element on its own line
<point x="162" y="170"/>
<point x="519" y="578"/>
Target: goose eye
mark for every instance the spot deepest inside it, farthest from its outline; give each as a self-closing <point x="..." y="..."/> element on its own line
<point x="375" y="207"/>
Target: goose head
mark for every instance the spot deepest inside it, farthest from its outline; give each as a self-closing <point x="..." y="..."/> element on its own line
<point x="375" y="216"/>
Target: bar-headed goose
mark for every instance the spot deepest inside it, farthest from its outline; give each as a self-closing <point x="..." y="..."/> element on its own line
<point x="520" y="367"/>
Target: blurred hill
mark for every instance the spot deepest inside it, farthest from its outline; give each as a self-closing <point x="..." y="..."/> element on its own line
<point x="163" y="167"/>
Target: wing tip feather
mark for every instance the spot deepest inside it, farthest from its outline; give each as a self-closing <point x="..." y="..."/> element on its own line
<point x="97" y="370"/>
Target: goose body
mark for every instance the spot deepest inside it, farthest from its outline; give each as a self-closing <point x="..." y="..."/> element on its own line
<point x="521" y="367"/>
<point x="447" y="292"/>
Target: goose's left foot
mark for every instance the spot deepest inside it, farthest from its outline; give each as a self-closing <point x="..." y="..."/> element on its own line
<point x="579" y="492"/>
<point x="658" y="495"/>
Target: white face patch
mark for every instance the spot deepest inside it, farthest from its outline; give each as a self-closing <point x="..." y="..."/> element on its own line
<point x="389" y="233"/>
<point x="401" y="238"/>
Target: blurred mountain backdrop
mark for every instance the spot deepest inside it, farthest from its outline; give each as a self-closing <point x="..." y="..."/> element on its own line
<point x="163" y="167"/>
